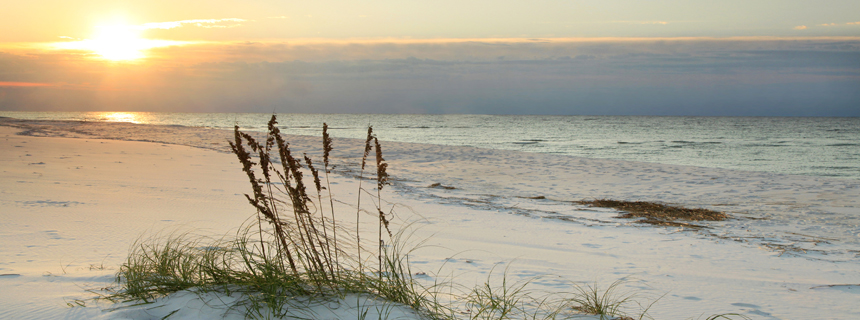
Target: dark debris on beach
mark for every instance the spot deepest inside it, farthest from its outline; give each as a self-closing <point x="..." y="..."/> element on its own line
<point x="658" y="214"/>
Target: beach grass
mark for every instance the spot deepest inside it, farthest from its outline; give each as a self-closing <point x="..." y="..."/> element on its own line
<point x="290" y="255"/>
<point x="290" y="251"/>
<point x="607" y="303"/>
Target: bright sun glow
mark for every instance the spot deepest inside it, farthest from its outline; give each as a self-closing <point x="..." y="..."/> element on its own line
<point x="117" y="42"/>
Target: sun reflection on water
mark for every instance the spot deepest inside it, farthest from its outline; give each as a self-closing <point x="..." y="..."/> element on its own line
<point x="130" y="117"/>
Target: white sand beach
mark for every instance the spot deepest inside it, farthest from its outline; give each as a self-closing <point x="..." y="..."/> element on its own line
<point x="75" y="195"/>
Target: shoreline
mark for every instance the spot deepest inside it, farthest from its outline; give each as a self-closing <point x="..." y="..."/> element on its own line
<point x="474" y="227"/>
<point x="766" y="206"/>
<point x="746" y="144"/>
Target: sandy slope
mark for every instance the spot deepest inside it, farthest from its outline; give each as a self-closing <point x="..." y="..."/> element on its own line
<point x="70" y="206"/>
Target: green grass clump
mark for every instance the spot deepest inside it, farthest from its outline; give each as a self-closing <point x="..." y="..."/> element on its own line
<point x="607" y="304"/>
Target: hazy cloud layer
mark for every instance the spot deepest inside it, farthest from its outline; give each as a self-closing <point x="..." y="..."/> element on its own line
<point x="203" y="23"/>
<point x="642" y="22"/>
<point x="690" y="76"/>
<point x="24" y="84"/>
<point x="840" y="24"/>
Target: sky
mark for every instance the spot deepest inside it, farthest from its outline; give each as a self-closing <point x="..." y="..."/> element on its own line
<point x="609" y="57"/>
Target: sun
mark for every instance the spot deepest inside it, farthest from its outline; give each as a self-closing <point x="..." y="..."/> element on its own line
<point x="117" y="42"/>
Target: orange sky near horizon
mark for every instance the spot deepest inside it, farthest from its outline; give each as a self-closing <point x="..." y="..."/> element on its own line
<point x="127" y="30"/>
<point x="24" y="84"/>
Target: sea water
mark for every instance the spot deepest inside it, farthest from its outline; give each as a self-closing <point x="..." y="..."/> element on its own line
<point x="789" y="145"/>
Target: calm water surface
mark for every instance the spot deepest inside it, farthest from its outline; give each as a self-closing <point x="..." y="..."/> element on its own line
<point x="805" y="146"/>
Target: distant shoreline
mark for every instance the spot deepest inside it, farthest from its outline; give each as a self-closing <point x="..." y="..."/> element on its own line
<point x="819" y="147"/>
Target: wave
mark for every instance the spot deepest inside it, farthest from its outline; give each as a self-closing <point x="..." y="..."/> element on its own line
<point x="696" y="142"/>
<point x="767" y="145"/>
<point x="837" y="168"/>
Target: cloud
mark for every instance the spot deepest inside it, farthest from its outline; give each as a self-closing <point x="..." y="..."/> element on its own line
<point x="486" y="50"/>
<point x="203" y="23"/>
<point x="799" y="28"/>
<point x="840" y="24"/>
<point x="668" y="76"/>
<point x="642" y="22"/>
<point x="24" y="84"/>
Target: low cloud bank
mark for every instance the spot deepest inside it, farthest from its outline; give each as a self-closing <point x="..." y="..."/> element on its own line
<point x="672" y="76"/>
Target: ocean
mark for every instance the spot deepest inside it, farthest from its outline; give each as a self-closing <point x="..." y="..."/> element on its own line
<point x="826" y="147"/>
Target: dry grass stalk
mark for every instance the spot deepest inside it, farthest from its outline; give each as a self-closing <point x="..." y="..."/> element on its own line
<point x="299" y="241"/>
<point x="264" y="204"/>
<point x="381" y="180"/>
<point x="367" y="148"/>
<point x="327" y="248"/>
<point x="312" y="240"/>
<point x="327" y="148"/>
